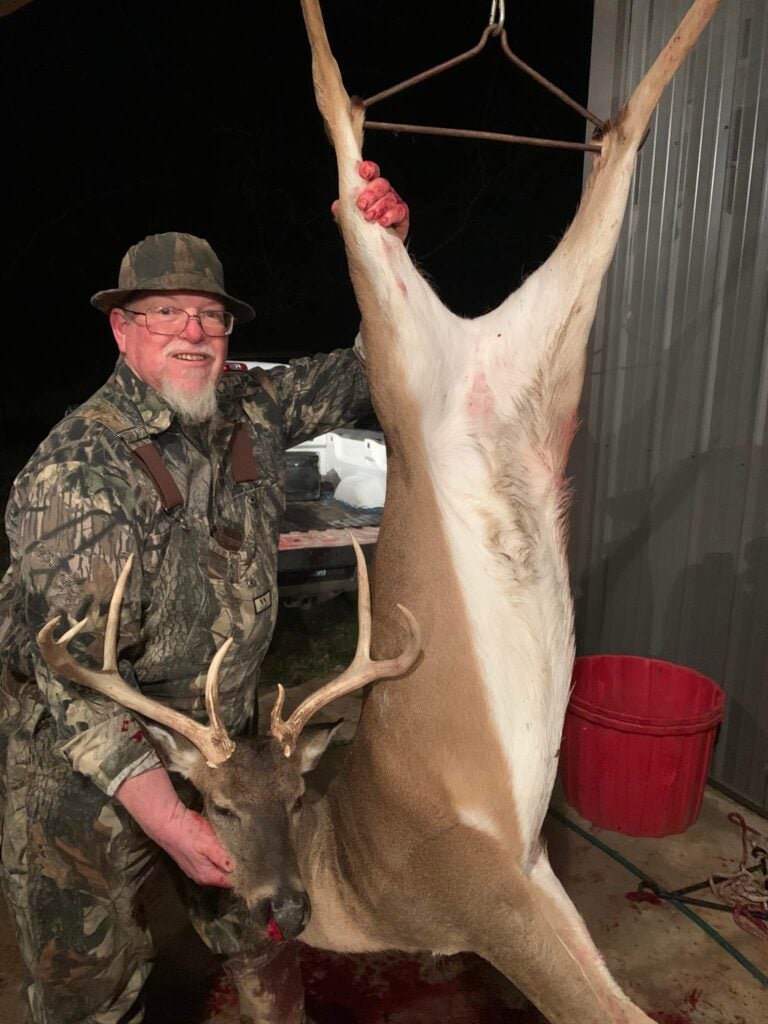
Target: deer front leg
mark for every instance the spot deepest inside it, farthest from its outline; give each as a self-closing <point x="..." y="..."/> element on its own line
<point x="530" y="931"/>
<point x="269" y="985"/>
<point x="558" y="913"/>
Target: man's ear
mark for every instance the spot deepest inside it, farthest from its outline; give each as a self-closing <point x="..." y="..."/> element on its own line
<point x="313" y="742"/>
<point x="117" y="321"/>
<point x="177" y="753"/>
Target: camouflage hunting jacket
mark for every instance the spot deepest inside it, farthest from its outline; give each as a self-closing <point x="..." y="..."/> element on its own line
<point x="203" y="571"/>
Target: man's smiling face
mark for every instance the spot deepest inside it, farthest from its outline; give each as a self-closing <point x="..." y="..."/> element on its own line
<point x="182" y="367"/>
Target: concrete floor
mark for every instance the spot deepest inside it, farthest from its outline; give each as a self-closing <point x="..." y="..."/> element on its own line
<point x="675" y="971"/>
<point x="669" y="966"/>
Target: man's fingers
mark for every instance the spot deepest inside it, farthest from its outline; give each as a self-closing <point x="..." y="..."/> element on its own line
<point x="379" y="202"/>
<point x="368" y="170"/>
<point x="378" y="188"/>
<point x="381" y="206"/>
<point x="213" y="867"/>
<point x="219" y="866"/>
<point x="213" y="851"/>
<point x="396" y="215"/>
<point x="209" y="847"/>
<point x="210" y="877"/>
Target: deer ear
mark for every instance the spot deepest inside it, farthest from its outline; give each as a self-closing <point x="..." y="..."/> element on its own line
<point x="313" y="742"/>
<point x="177" y="753"/>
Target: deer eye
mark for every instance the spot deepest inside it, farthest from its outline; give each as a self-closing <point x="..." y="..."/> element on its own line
<point x="224" y="812"/>
<point x="297" y="805"/>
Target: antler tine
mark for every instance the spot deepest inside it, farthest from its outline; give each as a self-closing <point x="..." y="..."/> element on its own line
<point x="109" y="662"/>
<point x="212" y="742"/>
<point x="218" y="731"/>
<point x="363" y="649"/>
<point x="362" y="670"/>
<point x="276" y="719"/>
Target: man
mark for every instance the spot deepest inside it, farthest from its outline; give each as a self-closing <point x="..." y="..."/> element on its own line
<point x="181" y="465"/>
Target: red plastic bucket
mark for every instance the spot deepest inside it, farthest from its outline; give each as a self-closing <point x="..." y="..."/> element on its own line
<point x="637" y="743"/>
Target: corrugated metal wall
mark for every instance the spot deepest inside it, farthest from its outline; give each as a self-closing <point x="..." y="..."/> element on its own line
<point x="670" y="523"/>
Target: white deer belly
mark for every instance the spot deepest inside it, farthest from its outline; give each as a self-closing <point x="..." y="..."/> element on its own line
<point x="520" y="619"/>
<point x="501" y="506"/>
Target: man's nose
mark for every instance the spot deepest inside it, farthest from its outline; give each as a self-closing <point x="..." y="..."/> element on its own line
<point x="194" y="329"/>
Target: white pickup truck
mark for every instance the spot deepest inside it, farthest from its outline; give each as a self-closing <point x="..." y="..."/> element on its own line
<point x="335" y="486"/>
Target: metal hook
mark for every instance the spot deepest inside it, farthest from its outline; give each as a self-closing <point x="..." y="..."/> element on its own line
<point x="498" y="13"/>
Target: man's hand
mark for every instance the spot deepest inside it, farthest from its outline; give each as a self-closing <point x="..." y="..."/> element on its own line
<point x="192" y="843"/>
<point x="379" y="202"/>
<point x="151" y="800"/>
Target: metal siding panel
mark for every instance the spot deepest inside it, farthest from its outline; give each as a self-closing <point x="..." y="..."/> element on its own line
<point x="689" y="635"/>
<point x="669" y="551"/>
<point x="743" y="749"/>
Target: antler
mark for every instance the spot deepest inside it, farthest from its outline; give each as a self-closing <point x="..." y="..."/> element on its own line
<point x="212" y="741"/>
<point x="361" y="671"/>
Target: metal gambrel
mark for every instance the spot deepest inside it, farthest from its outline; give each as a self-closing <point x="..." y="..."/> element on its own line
<point x="494" y="29"/>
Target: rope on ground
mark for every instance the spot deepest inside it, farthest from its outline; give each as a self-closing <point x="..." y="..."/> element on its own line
<point x="746" y="889"/>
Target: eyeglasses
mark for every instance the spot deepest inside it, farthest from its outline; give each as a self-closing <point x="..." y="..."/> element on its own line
<point x="215" y="323"/>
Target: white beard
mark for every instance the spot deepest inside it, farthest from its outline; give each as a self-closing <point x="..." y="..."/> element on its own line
<point x="192" y="408"/>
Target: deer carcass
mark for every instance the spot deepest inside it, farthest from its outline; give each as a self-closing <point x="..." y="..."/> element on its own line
<point x="429" y="839"/>
<point x="431" y="836"/>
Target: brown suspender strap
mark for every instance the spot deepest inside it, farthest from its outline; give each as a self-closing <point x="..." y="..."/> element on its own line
<point x="152" y="461"/>
<point x="241" y="458"/>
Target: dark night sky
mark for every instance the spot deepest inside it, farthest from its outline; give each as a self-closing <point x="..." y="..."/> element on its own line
<point x="124" y="118"/>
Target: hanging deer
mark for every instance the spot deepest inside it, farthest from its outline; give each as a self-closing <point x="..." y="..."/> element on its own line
<point x="429" y="838"/>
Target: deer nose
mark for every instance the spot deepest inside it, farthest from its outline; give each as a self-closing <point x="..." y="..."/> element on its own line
<point x="290" y="911"/>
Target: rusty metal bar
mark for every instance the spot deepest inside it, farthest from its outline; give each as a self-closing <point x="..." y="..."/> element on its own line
<point x="549" y="85"/>
<point x="467" y="133"/>
<point x="430" y="72"/>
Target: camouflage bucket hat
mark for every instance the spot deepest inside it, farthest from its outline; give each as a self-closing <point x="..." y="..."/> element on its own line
<point x="171" y="262"/>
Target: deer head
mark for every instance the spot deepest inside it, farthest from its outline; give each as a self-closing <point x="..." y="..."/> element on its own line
<point x="252" y="790"/>
<point x="254" y="802"/>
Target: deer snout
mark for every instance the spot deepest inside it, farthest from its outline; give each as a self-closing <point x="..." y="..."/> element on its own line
<point x="290" y="912"/>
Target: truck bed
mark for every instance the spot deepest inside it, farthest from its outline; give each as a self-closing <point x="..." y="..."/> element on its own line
<point x="315" y="556"/>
